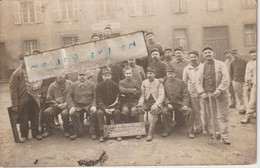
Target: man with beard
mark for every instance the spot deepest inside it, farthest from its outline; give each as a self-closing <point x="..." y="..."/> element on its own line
<point x="107" y="91"/>
<point x="23" y="103"/>
<point x="116" y="70"/>
<point x="56" y="100"/>
<point x="177" y="99"/>
<point x="81" y="99"/>
<point x="212" y="83"/>
<point x="138" y="71"/>
<point x="151" y="99"/>
<point x="251" y="85"/>
<point x="167" y="56"/>
<point x="189" y="77"/>
<point x="179" y="62"/>
<point x="160" y="67"/>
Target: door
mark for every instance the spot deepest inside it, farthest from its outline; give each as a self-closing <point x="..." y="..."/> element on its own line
<point x="3" y="63"/>
<point x="217" y="38"/>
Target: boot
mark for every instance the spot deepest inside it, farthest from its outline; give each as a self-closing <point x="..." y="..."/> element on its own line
<point x="151" y="130"/>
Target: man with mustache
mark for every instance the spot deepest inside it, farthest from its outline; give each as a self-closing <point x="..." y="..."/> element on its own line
<point x="189" y="77"/>
<point x="81" y="98"/>
<point x="56" y="100"/>
<point x="212" y="83"/>
<point x="138" y="71"/>
<point x="179" y="62"/>
<point x="167" y="59"/>
<point x="160" y="67"/>
<point x="151" y="99"/>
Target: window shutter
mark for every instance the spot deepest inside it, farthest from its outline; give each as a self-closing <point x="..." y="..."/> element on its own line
<point x="151" y="5"/>
<point x="175" y="6"/>
<point x="17" y="13"/>
<point x="38" y="11"/>
<point x="56" y="10"/>
<point x="182" y="6"/>
<point x="75" y="7"/>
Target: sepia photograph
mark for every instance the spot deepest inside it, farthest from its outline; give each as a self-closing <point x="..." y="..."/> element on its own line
<point x="128" y="83"/>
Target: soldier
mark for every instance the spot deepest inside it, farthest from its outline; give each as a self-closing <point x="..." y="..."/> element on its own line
<point x="107" y="92"/>
<point x="160" y="67"/>
<point x="179" y="62"/>
<point x="23" y="103"/>
<point x="189" y="77"/>
<point x="177" y="99"/>
<point x="130" y="88"/>
<point x="151" y="99"/>
<point x="56" y="100"/>
<point x="138" y="71"/>
<point x="251" y="85"/>
<point x="167" y="56"/>
<point x="95" y="37"/>
<point x="81" y="99"/>
<point x="228" y="61"/>
<point x="212" y="83"/>
<point x="107" y="32"/>
<point x="116" y="70"/>
<point x="237" y="76"/>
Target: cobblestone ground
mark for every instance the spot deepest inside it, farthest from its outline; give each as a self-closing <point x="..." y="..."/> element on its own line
<point x="176" y="149"/>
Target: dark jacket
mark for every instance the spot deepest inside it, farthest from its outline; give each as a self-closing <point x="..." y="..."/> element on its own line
<point x="125" y="87"/>
<point x="117" y="74"/>
<point x="238" y="70"/>
<point x="160" y="69"/>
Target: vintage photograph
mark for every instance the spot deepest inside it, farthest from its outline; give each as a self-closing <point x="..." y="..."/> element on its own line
<point x="128" y="83"/>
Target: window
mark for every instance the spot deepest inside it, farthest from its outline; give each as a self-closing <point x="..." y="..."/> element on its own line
<point x="30" y="46"/>
<point x="27" y="12"/>
<point x="141" y="7"/>
<point x="106" y="8"/>
<point x="248" y="3"/>
<point x="180" y="38"/>
<point x="66" y="10"/>
<point x="250" y="34"/>
<point x="213" y="5"/>
<point x="179" y="6"/>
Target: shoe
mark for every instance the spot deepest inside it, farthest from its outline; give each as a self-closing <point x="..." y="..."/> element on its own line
<point x="23" y="139"/>
<point x="165" y="134"/>
<point x="73" y="137"/>
<point x="242" y="112"/>
<point x="226" y="141"/>
<point x="67" y="135"/>
<point x="119" y="139"/>
<point x="191" y="135"/>
<point x="149" y="137"/>
<point x="138" y="137"/>
<point x="198" y="131"/>
<point x="101" y="139"/>
<point x="94" y="137"/>
<point x="245" y="121"/>
<point x="217" y="136"/>
<point x="46" y="134"/>
<point x="38" y="137"/>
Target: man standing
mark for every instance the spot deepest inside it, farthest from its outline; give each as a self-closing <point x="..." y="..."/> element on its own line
<point x="189" y="77"/>
<point x="167" y="56"/>
<point x="138" y="71"/>
<point x="107" y="32"/>
<point x="56" y="100"/>
<point x="228" y="61"/>
<point x="107" y="92"/>
<point x="212" y="85"/>
<point x="179" y="62"/>
<point x="130" y="88"/>
<point x="160" y="67"/>
<point x="151" y="99"/>
<point x="237" y="76"/>
<point x="177" y="99"/>
<point x="23" y="103"/>
<point x="81" y="99"/>
<point x="250" y="79"/>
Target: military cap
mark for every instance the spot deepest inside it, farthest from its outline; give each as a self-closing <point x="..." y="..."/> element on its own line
<point x="234" y="51"/>
<point x="21" y="56"/>
<point x="178" y="48"/>
<point x="149" y="33"/>
<point x="194" y="52"/>
<point x="228" y="51"/>
<point x="151" y="69"/>
<point x="94" y="35"/>
<point x="153" y="50"/>
<point x="170" y="69"/>
<point x="252" y="51"/>
<point x="106" y="71"/>
<point x="207" y="48"/>
<point x="36" y="51"/>
<point x="167" y="49"/>
<point x="107" y="27"/>
<point x="75" y="38"/>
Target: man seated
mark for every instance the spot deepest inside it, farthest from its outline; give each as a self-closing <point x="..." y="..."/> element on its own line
<point x="107" y="92"/>
<point x="130" y="88"/>
<point x="177" y="99"/>
<point x="81" y="99"/>
<point x="56" y="100"/>
<point x="151" y="99"/>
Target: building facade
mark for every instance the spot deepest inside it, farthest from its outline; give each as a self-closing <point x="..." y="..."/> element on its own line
<point x="26" y="25"/>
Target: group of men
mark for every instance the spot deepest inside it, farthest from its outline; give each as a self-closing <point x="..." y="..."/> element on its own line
<point x="164" y="85"/>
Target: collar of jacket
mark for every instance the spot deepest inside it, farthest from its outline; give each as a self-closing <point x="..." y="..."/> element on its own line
<point x="192" y="67"/>
<point x="81" y="85"/>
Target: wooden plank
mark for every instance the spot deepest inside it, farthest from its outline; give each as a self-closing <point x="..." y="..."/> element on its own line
<point x="124" y="130"/>
<point x="13" y="124"/>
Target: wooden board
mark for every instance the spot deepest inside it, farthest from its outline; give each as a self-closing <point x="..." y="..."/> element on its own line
<point x="13" y="124"/>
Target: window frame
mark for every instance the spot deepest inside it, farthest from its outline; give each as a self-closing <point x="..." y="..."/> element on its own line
<point x="30" y="40"/>
<point x="214" y="10"/>
<point x="105" y="9"/>
<point x="248" y="6"/>
<point x="187" y="37"/>
<point x="150" y="8"/>
<point x="255" y="34"/>
<point x="179" y="7"/>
